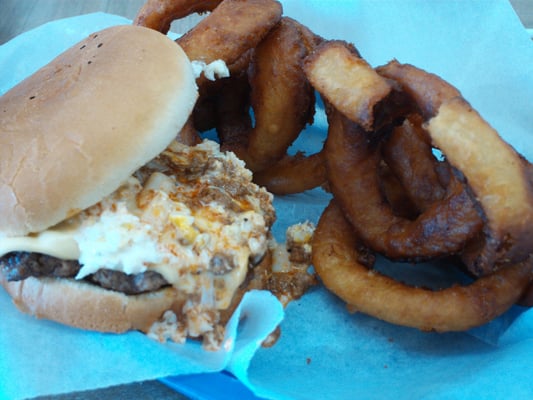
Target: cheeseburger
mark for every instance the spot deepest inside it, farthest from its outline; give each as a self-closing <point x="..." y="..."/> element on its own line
<point x="108" y="222"/>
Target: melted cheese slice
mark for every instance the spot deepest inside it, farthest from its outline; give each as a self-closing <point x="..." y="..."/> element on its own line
<point x="58" y="242"/>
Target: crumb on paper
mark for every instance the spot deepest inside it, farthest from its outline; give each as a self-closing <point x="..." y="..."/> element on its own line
<point x="168" y="328"/>
<point x="272" y="338"/>
<point x="290" y="276"/>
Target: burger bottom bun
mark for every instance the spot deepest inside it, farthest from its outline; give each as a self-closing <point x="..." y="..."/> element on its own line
<point x="86" y="306"/>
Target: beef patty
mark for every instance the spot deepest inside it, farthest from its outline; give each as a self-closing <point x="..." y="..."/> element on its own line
<point x="17" y="266"/>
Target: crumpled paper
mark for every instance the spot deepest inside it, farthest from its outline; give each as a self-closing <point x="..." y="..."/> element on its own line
<point x="323" y="352"/>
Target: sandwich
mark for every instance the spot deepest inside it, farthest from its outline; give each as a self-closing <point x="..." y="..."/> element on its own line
<point x="108" y="221"/>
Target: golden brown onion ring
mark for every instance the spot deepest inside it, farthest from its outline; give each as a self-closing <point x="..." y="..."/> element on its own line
<point x="293" y="174"/>
<point x="496" y="173"/>
<point x="498" y="177"/>
<point x="355" y="89"/>
<point x="159" y="14"/>
<point x="428" y="90"/>
<point x="395" y="193"/>
<point x="282" y="102"/>
<point x="409" y="155"/>
<point x="352" y="163"/>
<point x="230" y="30"/>
<point x="457" y="308"/>
<point x="281" y="97"/>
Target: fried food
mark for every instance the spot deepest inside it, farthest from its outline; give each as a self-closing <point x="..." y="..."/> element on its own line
<point x="267" y="50"/>
<point x="231" y="29"/>
<point x="352" y="164"/>
<point x="281" y="97"/>
<point x="498" y="178"/>
<point x="396" y="194"/>
<point x="427" y="90"/>
<point x="348" y="82"/>
<point x="294" y="174"/>
<point x="495" y="172"/>
<point x="336" y="259"/>
<point x="408" y="153"/>
<point x="159" y="14"/>
<point x="456" y="225"/>
<point x="393" y="196"/>
<point x="283" y="102"/>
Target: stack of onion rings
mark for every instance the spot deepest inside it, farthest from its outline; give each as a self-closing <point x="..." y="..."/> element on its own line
<point x="476" y="203"/>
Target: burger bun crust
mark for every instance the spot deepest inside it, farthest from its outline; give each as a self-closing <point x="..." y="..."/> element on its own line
<point x="72" y="132"/>
<point x="86" y="306"/>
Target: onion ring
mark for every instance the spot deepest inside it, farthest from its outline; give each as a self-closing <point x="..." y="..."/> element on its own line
<point x="231" y="29"/>
<point x="496" y="173"/>
<point x="427" y="90"/>
<point x="294" y="174"/>
<point x="274" y="55"/>
<point x="355" y="89"/>
<point x="498" y="178"/>
<point x="408" y="153"/>
<point x="281" y="97"/>
<point x="283" y="103"/>
<point x="457" y="308"/>
<point x="159" y="14"/>
<point x="396" y="194"/>
<point x="352" y="163"/>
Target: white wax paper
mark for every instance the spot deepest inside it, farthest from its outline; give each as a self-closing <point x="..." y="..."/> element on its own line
<point x="324" y="352"/>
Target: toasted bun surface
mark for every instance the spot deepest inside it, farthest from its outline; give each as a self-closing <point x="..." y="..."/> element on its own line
<point x="71" y="133"/>
<point x="87" y="306"/>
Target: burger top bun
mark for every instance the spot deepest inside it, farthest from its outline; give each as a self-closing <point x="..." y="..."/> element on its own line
<point x="71" y="133"/>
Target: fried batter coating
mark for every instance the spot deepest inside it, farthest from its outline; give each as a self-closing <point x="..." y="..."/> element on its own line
<point x="281" y="97"/>
<point x="498" y="177"/>
<point x="408" y="153"/>
<point x="294" y="174"/>
<point x="346" y="80"/>
<point x="230" y="30"/>
<point x="352" y="163"/>
<point x="427" y="90"/>
<point x="458" y="308"/>
<point x="159" y="14"/>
